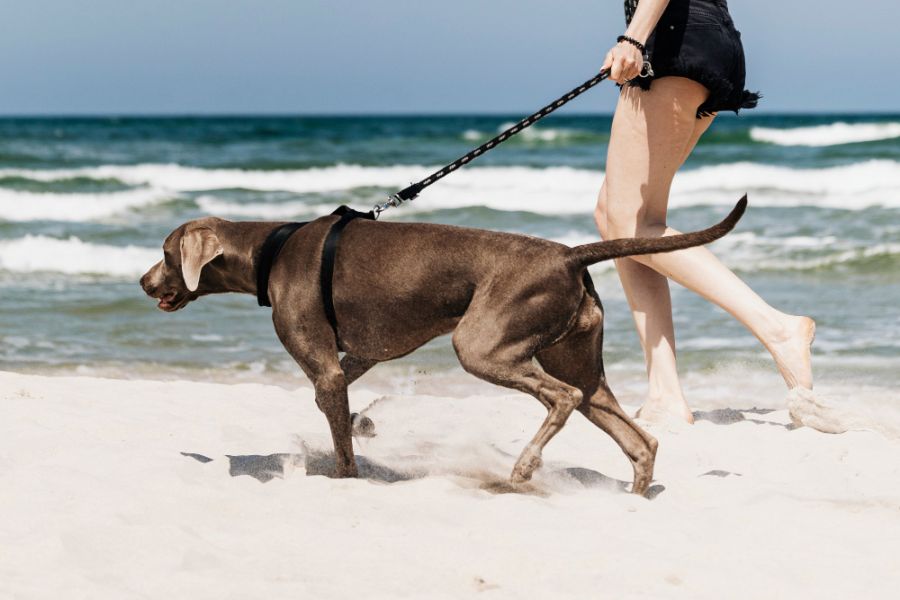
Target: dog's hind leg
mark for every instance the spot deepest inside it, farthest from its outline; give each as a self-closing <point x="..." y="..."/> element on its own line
<point x="577" y="360"/>
<point x="604" y="411"/>
<point x="511" y="366"/>
<point x="354" y="368"/>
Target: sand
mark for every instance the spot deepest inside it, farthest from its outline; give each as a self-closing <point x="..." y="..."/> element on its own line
<point x="107" y="490"/>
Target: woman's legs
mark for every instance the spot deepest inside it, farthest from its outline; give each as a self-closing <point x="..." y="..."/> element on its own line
<point x="653" y="132"/>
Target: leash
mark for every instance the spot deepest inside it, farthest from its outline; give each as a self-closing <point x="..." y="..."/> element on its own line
<point x="413" y="190"/>
<point x="279" y="236"/>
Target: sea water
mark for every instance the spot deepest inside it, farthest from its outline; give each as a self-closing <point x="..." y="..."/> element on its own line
<point x="85" y="204"/>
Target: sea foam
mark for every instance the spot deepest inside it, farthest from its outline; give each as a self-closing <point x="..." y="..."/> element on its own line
<point x="833" y="134"/>
<point x="30" y="206"/>
<point x="72" y="256"/>
<point x="552" y="190"/>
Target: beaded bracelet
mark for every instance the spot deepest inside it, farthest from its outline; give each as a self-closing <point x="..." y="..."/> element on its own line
<point x="630" y="40"/>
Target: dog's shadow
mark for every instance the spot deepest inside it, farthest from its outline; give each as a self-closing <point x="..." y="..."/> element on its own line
<point x="265" y="467"/>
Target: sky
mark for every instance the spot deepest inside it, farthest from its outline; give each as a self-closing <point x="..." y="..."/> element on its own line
<point x="405" y="56"/>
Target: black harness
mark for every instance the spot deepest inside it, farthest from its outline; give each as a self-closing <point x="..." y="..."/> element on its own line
<point x="280" y="235"/>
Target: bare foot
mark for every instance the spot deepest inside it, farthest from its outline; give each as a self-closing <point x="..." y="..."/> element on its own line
<point x="806" y="409"/>
<point x="665" y="411"/>
<point x="792" y="352"/>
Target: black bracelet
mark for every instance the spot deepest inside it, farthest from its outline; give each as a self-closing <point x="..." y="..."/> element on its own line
<point x="630" y="40"/>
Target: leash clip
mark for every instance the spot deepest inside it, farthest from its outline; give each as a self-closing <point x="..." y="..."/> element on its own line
<point x="393" y="200"/>
<point x="646" y="69"/>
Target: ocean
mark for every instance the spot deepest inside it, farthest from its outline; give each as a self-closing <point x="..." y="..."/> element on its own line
<point x="85" y="204"/>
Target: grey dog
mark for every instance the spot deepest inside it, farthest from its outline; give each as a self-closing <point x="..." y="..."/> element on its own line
<point x="508" y="299"/>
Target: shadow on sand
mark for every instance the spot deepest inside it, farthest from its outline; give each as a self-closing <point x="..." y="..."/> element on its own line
<point x="730" y="416"/>
<point x="266" y="467"/>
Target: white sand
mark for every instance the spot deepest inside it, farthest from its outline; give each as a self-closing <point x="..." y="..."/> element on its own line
<point x="97" y="501"/>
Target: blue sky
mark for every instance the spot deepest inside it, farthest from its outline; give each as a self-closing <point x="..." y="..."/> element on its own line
<point x="390" y="56"/>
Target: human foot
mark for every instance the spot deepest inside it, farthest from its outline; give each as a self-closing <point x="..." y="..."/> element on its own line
<point x="792" y="352"/>
<point x="657" y="410"/>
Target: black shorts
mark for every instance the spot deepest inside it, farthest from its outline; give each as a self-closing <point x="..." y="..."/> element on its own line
<point x="697" y="39"/>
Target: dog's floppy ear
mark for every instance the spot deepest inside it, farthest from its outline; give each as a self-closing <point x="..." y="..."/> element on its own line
<point x="198" y="247"/>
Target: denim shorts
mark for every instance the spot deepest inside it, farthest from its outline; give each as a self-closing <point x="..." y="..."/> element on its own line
<point x="697" y="39"/>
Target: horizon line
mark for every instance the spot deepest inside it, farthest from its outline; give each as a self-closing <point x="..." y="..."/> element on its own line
<point x="411" y="114"/>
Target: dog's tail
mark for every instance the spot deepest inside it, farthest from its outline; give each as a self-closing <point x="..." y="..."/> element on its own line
<point x="588" y="254"/>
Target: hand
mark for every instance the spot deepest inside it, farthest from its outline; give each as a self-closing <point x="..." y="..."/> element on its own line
<point x="624" y="62"/>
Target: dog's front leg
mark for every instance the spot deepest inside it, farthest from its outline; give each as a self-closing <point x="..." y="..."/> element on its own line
<point x="331" y="395"/>
<point x="317" y="355"/>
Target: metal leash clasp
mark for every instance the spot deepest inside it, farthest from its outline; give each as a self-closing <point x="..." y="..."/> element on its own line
<point x="646" y="68"/>
<point x="393" y="200"/>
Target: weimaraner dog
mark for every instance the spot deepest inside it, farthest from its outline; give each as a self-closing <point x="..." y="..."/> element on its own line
<point x="508" y="299"/>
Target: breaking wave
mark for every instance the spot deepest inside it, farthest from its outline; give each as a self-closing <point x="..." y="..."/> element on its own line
<point x="833" y="134"/>
<point x="552" y="190"/>
<point x="32" y="206"/>
<point x="72" y="256"/>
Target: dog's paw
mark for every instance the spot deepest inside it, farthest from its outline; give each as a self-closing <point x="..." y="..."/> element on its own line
<point x="361" y="426"/>
<point x="528" y="463"/>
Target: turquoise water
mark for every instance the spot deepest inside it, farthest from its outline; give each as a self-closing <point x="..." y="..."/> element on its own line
<point x="86" y="203"/>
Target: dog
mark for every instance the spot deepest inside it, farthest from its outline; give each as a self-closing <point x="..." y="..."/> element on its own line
<point x="508" y="299"/>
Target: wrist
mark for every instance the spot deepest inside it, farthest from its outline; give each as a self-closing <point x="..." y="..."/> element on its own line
<point x="628" y="40"/>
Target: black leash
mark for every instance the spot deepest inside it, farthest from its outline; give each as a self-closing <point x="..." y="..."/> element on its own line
<point x="411" y="191"/>
<point x="280" y="235"/>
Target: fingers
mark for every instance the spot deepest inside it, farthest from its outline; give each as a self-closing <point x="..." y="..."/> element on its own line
<point x="607" y="62"/>
<point x="624" y="68"/>
<point x="623" y="64"/>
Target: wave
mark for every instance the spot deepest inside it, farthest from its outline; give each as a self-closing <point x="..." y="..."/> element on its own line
<point x="745" y="251"/>
<point x="31" y="206"/>
<point x="535" y="134"/>
<point x="72" y="256"/>
<point x="833" y="134"/>
<point x="854" y="186"/>
<point x="552" y="190"/>
<point x="751" y="252"/>
<point x="178" y="178"/>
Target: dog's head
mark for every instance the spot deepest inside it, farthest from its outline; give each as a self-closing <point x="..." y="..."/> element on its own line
<point x="176" y="279"/>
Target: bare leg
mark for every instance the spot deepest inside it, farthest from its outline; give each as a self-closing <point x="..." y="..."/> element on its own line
<point x="653" y="132"/>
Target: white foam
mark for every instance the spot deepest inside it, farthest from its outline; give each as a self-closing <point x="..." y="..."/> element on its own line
<point x="29" y="206"/>
<point x="544" y="134"/>
<point x="854" y="186"/>
<point x="72" y="256"/>
<point x="534" y="134"/>
<point x="178" y="178"/>
<point x="832" y="134"/>
<point x="261" y="210"/>
<point x="553" y="190"/>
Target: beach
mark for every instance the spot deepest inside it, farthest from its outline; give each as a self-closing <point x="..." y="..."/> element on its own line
<point x="154" y="455"/>
<point x="147" y="489"/>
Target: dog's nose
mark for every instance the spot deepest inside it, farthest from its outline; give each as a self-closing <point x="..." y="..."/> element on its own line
<point x="145" y="284"/>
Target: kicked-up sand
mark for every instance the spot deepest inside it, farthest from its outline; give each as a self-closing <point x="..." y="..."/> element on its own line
<point x="120" y="489"/>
